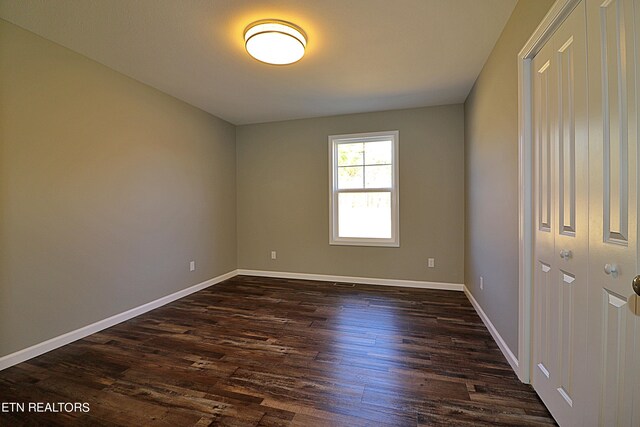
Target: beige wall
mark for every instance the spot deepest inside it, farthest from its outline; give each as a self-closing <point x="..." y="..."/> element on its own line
<point x="283" y="196"/>
<point x="491" y="175"/>
<point x="108" y="188"/>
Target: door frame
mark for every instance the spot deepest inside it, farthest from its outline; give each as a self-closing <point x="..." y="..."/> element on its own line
<point x="552" y="20"/>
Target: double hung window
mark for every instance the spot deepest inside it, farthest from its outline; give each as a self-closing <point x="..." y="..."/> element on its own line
<point x="364" y="189"/>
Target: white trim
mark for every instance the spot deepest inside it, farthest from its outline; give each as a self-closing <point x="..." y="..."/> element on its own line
<point x="53" y="343"/>
<point x="525" y="217"/>
<point x="558" y="12"/>
<point x="394" y="190"/>
<point x="351" y="279"/>
<point x="506" y="351"/>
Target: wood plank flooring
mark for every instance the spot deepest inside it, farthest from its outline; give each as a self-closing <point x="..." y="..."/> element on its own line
<point x="273" y="352"/>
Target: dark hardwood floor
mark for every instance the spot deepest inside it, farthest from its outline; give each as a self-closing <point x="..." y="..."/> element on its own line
<point x="273" y="352"/>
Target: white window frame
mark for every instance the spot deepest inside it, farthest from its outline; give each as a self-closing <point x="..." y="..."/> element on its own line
<point x="334" y="141"/>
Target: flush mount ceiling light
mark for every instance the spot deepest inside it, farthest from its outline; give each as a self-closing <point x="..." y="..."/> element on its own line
<point x="275" y="42"/>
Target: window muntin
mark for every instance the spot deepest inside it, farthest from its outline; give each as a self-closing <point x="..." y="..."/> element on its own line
<point x="364" y="189"/>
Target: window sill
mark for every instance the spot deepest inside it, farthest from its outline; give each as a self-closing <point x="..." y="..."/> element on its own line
<point x="365" y="242"/>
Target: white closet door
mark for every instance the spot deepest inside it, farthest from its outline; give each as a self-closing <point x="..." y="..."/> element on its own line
<point x="561" y="227"/>
<point x="613" y="133"/>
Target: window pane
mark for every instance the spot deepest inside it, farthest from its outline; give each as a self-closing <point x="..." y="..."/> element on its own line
<point x="350" y="154"/>
<point x="378" y="152"/>
<point x="350" y="177"/>
<point x="364" y="215"/>
<point x="377" y="176"/>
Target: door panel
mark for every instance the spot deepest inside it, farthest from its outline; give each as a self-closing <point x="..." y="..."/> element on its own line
<point x="612" y="320"/>
<point x="566" y="138"/>
<point x="544" y="124"/>
<point x="561" y="235"/>
<point x="614" y="85"/>
<point x="544" y="133"/>
<point x="572" y="237"/>
<point x="617" y="332"/>
<point x="567" y="337"/>
<point x="543" y="312"/>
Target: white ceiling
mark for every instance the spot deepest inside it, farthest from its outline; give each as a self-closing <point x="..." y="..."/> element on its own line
<point x="362" y="55"/>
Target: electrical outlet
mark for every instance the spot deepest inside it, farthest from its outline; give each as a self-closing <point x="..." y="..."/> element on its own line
<point x="481" y="283"/>
<point x="192" y="266"/>
<point x="431" y="262"/>
<point x="274" y="255"/>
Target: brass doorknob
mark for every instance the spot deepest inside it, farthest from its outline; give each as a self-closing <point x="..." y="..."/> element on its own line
<point x="636" y="285"/>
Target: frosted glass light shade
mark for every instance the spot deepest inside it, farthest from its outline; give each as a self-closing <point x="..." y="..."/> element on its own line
<point x="275" y="42"/>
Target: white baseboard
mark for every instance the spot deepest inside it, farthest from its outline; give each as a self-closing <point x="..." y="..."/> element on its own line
<point x="59" y="341"/>
<point x="350" y="279"/>
<point x="508" y="354"/>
